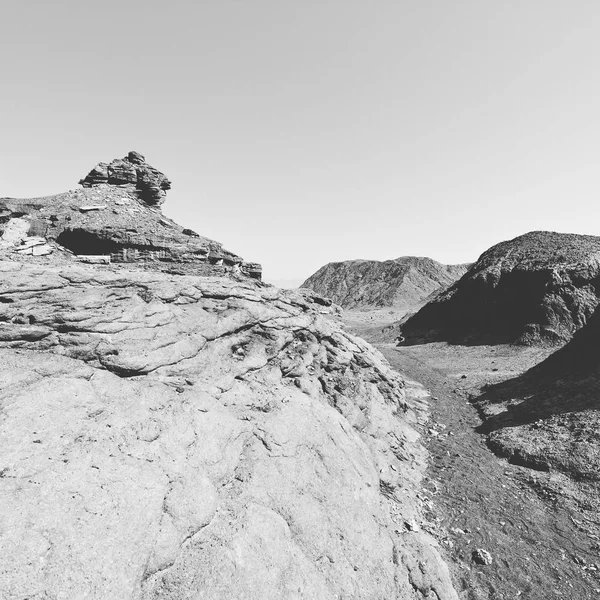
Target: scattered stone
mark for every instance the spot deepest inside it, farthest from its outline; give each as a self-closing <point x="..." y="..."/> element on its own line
<point x="482" y="557"/>
<point x="84" y="209"/>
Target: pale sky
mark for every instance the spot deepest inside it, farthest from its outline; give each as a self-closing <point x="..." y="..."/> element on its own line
<point x="300" y="133"/>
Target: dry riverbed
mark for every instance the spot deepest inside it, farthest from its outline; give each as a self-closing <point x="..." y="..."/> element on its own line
<point x="540" y="529"/>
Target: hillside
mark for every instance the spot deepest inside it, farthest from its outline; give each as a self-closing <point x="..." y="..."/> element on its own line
<point x="538" y="288"/>
<point x="400" y="283"/>
<point x="173" y="428"/>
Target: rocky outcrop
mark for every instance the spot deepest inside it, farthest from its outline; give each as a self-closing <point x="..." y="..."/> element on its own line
<point x="178" y="436"/>
<point x="403" y="282"/>
<point x="170" y="435"/>
<point x="149" y="184"/>
<point x="538" y="288"/>
<point x="112" y="217"/>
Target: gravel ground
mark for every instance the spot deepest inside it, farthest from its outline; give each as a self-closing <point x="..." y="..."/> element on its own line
<point x="540" y="529"/>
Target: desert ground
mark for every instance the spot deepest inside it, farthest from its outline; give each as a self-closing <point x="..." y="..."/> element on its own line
<point x="540" y="528"/>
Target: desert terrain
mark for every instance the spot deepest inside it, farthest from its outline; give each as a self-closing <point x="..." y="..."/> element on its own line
<point x="512" y="436"/>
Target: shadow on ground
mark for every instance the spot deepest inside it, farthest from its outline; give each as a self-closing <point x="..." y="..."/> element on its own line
<point x="567" y="382"/>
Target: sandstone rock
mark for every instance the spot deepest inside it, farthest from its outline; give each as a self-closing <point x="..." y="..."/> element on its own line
<point x="536" y="289"/>
<point x="110" y="220"/>
<point x="121" y="172"/>
<point x="403" y="282"/>
<point x="184" y="437"/>
<point x="149" y="184"/>
<point x="97" y="176"/>
<point x="482" y="557"/>
<point x="88" y="208"/>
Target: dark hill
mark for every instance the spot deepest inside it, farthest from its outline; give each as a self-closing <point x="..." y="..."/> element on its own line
<point x="540" y="287"/>
<point x="402" y="282"/>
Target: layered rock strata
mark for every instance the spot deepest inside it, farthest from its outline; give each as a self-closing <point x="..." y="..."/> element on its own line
<point x="182" y="437"/>
<point x="403" y="282"/>
<point x="113" y="218"/>
<point x="149" y="183"/>
<point x="538" y="288"/>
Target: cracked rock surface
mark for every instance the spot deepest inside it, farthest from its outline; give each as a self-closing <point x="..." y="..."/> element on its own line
<point x="170" y="437"/>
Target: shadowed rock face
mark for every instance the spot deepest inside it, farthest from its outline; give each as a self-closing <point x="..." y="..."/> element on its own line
<point x="540" y="287"/>
<point x="402" y="282"/>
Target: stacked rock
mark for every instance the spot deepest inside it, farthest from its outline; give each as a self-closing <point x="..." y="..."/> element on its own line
<point x="150" y="184"/>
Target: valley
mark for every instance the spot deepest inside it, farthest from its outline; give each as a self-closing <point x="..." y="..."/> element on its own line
<point x="541" y="528"/>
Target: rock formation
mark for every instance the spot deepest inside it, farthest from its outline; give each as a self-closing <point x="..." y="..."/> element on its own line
<point x="403" y="282"/>
<point x="115" y="218"/>
<point x="177" y="436"/>
<point x="149" y="184"/>
<point x="538" y="288"/>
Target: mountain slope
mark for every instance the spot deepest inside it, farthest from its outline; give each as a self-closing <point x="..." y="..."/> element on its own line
<point x="540" y="287"/>
<point x="403" y="282"/>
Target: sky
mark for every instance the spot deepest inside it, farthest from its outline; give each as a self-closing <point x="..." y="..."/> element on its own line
<point x="301" y="133"/>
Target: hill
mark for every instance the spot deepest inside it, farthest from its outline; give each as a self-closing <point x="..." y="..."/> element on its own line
<point x="538" y="288"/>
<point x="400" y="283"/>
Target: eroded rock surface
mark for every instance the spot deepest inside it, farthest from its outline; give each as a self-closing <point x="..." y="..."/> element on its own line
<point x="149" y="183"/>
<point x="113" y="217"/>
<point x="538" y="288"/>
<point x="403" y="282"/>
<point x="183" y="437"/>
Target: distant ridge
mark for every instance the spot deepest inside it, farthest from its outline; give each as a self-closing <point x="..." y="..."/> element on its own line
<point x="401" y="283"/>
<point x="538" y="288"/>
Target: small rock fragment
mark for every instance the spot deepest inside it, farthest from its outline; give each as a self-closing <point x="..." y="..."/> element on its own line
<point x="91" y="207"/>
<point x="482" y="557"/>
